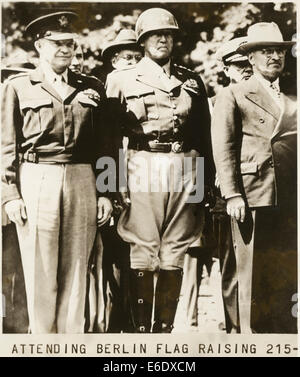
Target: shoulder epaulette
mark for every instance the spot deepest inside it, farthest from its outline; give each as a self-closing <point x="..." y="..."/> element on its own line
<point x="184" y="68"/>
<point x="21" y="74"/>
<point x="88" y="76"/>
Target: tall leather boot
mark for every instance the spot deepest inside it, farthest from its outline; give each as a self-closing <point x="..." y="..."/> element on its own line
<point x="141" y="299"/>
<point x="166" y="300"/>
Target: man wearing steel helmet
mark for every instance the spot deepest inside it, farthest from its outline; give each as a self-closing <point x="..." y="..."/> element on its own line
<point x="51" y="137"/>
<point x="255" y="150"/>
<point x="164" y="113"/>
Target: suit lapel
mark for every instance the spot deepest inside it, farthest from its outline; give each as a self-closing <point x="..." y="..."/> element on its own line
<point x="38" y="76"/>
<point x="149" y="74"/>
<point x="74" y="83"/>
<point x="258" y="95"/>
<point x="150" y="78"/>
<point x="176" y="79"/>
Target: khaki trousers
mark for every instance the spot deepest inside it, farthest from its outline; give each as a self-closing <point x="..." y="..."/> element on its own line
<point x="160" y="224"/>
<point x="56" y="242"/>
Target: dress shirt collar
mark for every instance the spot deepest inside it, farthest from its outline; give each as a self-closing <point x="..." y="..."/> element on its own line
<point x="266" y="83"/>
<point x="50" y="75"/>
<point x="156" y="68"/>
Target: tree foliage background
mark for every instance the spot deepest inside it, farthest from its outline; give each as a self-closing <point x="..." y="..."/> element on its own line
<point x="204" y="28"/>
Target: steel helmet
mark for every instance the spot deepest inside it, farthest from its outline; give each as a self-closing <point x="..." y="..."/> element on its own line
<point x="154" y="19"/>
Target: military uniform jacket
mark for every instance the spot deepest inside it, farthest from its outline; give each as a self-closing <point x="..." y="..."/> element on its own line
<point x="35" y="118"/>
<point x="255" y="144"/>
<point x="149" y="108"/>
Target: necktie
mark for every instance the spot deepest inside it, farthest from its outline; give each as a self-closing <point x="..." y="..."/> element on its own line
<point x="165" y="78"/>
<point x="275" y="89"/>
<point x="60" y="86"/>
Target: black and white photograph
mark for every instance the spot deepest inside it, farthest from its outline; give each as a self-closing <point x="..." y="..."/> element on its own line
<point x="149" y="178"/>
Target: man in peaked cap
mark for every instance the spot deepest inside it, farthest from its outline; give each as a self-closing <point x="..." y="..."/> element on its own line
<point x="123" y="51"/>
<point x="52" y="134"/>
<point x="217" y="231"/>
<point x="255" y="150"/>
<point x="236" y="66"/>
<point x="238" y="69"/>
<point x="163" y="110"/>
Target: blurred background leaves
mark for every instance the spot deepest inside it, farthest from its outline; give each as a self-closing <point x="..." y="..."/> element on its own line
<point x="204" y="28"/>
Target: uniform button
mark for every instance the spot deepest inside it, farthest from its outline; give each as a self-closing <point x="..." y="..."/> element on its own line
<point x="176" y="130"/>
<point x="171" y="94"/>
<point x="271" y="163"/>
<point x="175" y="117"/>
<point x="262" y="120"/>
<point x="174" y="106"/>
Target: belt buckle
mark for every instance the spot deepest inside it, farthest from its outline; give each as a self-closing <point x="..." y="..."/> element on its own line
<point x="156" y="146"/>
<point x="32" y="157"/>
<point x="176" y="147"/>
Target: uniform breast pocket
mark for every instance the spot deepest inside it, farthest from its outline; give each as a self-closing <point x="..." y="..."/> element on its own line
<point x="143" y="104"/>
<point x="38" y="115"/>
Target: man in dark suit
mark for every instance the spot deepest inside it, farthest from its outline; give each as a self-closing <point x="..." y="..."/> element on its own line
<point x="254" y="144"/>
<point x="52" y="135"/>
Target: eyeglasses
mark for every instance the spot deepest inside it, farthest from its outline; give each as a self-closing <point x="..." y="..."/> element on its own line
<point x="128" y="57"/>
<point x="270" y="51"/>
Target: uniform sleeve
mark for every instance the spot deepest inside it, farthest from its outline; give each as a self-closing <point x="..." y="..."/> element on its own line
<point x="225" y="142"/>
<point x="105" y="142"/>
<point x="202" y="128"/>
<point x="116" y="105"/>
<point x="11" y="125"/>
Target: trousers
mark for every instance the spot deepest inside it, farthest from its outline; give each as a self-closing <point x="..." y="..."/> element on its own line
<point x="266" y="256"/>
<point x="161" y="223"/>
<point x="55" y="243"/>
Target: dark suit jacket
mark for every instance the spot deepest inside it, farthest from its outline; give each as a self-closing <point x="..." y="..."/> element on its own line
<point x="254" y="144"/>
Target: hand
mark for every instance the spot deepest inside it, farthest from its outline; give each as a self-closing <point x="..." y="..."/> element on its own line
<point x="236" y="208"/>
<point x="124" y="199"/>
<point x="209" y="197"/>
<point x="92" y="94"/>
<point x="105" y="209"/>
<point x="16" y="211"/>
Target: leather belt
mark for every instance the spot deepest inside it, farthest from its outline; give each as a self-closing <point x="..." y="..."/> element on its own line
<point x="156" y="146"/>
<point x="49" y="158"/>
